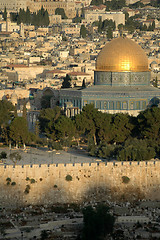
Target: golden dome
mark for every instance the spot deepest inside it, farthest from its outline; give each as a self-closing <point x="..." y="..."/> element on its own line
<point x="122" y="55"/>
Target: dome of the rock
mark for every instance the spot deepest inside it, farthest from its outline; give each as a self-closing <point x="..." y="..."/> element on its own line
<point x="122" y="55"/>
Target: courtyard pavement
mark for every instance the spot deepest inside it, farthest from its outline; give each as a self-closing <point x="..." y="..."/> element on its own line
<point x="45" y="156"/>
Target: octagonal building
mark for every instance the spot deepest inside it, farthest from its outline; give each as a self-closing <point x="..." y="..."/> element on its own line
<point x="121" y="82"/>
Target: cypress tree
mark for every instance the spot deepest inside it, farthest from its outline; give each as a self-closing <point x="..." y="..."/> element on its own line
<point x="24" y="111"/>
<point x="66" y="82"/>
<point x="83" y="84"/>
<point x="46" y="19"/>
<point x="5" y="14"/>
<point x="28" y="16"/>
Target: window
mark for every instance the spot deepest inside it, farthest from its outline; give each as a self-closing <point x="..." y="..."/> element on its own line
<point x="111" y="105"/>
<point x="85" y="102"/>
<point x="131" y="105"/>
<point x="118" y="105"/>
<point x="124" y="105"/>
<point x="98" y="104"/>
<point x="105" y="105"/>
<point x="138" y="105"/>
<point x="92" y="102"/>
<point x="143" y="104"/>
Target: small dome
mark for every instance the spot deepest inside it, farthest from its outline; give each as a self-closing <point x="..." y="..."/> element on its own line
<point x="122" y="55"/>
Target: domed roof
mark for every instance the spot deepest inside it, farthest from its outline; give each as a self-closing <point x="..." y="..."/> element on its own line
<point x="122" y="55"/>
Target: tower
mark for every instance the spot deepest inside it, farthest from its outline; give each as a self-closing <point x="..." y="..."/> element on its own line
<point x="22" y="30"/>
<point x="8" y="23"/>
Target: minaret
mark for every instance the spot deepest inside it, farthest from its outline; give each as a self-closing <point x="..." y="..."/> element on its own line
<point x="8" y="23"/>
<point x="22" y="30"/>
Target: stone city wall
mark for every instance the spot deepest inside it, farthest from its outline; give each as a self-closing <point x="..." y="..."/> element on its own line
<point x="90" y="182"/>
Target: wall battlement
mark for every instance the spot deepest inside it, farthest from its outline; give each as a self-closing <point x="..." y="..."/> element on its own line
<point x="109" y="164"/>
<point x="47" y="184"/>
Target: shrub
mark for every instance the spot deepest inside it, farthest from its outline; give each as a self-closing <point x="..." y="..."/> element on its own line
<point x="32" y="180"/>
<point x="3" y="154"/>
<point x="8" y="179"/>
<point x="55" y="186"/>
<point x="8" y="183"/>
<point x="41" y="179"/>
<point x="57" y="146"/>
<point x="15" y="156"/>
<point x="28" y="186"/>
<point x="125" y="179"/>
<point x="27" y="178"/>
<point x="68" y="178"/>
<point x="13" y="183"/>
<point x="26" y="191"/>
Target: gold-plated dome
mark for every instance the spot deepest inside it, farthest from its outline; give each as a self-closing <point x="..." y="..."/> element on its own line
<point x="122" y="55"/>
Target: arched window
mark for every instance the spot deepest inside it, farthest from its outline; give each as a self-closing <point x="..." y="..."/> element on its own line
<point x="124" y="105"/>
<point x="118" y="105"/>
<point x="111" y="105"/>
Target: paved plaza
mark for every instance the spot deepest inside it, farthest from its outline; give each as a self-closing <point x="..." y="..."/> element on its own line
<point x="45" y="156"/>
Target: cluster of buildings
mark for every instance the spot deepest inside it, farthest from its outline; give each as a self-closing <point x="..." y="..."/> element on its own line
<point x="34" y="62"/>
<point x="132" y="221"/>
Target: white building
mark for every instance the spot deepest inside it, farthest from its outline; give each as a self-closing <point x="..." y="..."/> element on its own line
<point x="91" y="16"/>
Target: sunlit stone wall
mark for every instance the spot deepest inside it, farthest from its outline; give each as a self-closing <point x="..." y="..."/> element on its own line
<point x="90" y="182"/>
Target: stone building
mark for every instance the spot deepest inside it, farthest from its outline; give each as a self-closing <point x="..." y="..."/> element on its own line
<point x="121" y="81"/>
<point x="92" y="16"/>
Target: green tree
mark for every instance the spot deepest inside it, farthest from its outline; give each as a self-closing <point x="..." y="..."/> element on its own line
<point x="60" y="11"/>
<point x="96" y="2"/>
<point x="104" y="132"/>
<point x="100" y="25"/>
<point x="83" y="31"/>
<point x="45" y="101"/>
<point x="13" y="17"/>
<point x="149" y="124"/>
<point x="28" y="16"/>
<point x="3" y="155"/>
<point x="136" y="5"/>
<point x="86" y="122"/>
<point x="136" y="150"/>
<point x="15" y="157"/>
<point x="122" y="127"/>
<point x="115" y="4"/>
<point x="109" y="33"/>
<point x="144" y="27"/>
<point x="46" y="19"/>
<point x="66" y="82"/>
<point x="5" y="14"/>
<point x="19" y="130"/>
<point x="82" y="13"/>
<point x="21" y="16"/>
<point x="120" y="27"/>
<point x="6" y="112"/>
<point x="126" y="16"/>
<point x="83" y="84"/>
<point x="64" y="130"/>
<point x="5" y="134"/>
<point x="47" y="118"/>
<point x="97" y="222"/>
<point x="24" y="115"/>
<point x="106" y="151"/>
<point x="77" y="19"/>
